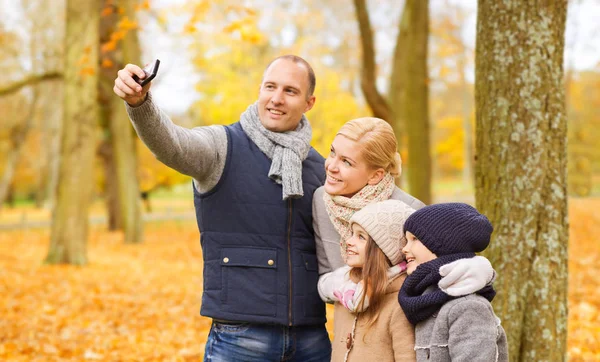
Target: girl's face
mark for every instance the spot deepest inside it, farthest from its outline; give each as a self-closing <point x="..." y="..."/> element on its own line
<point x="416" y="253"/>
<point x="357" y="247"/>
<point x="347" y="172"/>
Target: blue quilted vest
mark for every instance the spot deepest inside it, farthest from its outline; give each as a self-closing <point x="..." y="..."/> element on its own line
<point x="260" y="263"/>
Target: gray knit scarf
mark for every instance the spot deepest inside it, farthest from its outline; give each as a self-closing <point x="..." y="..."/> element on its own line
<point x="286" y="150"/>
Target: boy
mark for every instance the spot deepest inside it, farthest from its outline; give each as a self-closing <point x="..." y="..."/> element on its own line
<point x="448" y="328"/>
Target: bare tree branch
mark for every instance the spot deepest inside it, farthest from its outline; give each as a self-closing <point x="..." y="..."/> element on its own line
<point x="368" y="83"/>
<point x="30" y="80"/>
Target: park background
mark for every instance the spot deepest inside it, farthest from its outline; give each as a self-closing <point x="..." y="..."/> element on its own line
<point x="129" y="287"/>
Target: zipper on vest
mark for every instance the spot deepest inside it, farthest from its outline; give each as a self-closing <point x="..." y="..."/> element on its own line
<point x="289" y="237"/>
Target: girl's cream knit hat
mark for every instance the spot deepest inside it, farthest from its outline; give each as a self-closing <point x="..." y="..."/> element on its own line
<point x="384" y="222"/>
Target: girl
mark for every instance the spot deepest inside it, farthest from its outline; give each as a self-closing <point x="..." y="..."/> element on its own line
<point x="369" y="325"/>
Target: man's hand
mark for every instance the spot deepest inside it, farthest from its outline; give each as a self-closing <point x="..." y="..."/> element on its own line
<point x="127" y="88"/>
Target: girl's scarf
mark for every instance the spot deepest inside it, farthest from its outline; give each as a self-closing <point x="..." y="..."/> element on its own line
<point x="418" y="305"/>
<point x="349" y="293"/>
<point x="340" y="208"/>
<point x="286" y="150"/>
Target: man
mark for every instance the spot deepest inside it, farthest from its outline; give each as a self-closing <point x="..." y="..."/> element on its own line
<point x="253" y="186"/>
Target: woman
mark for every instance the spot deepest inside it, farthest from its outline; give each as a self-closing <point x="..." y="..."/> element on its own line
<point x="361" y="168"/>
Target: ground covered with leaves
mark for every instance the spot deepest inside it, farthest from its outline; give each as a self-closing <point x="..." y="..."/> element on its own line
<point x="141" y="302"/>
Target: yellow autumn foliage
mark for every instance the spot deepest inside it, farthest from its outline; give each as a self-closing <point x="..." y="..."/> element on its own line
<point x="141" y="302"/>
<point x="153" y="174"/>
<point x="449" y="145"/>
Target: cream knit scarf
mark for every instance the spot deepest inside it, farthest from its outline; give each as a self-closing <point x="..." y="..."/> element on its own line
<point x="286" y="150"/>
<point x="340" y="208"/>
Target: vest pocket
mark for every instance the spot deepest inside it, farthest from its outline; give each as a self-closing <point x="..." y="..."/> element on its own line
<point x="313" y="306"/>
<point x="249" y="277"/>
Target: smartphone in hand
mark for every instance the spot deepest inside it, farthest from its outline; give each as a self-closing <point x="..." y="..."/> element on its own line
<point x="150" y="70"/>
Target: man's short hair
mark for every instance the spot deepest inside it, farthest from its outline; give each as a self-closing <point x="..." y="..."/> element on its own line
<point x="312" y="80"/>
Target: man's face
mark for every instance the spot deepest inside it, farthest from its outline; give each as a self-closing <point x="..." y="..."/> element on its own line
<point x="283" y="96"/>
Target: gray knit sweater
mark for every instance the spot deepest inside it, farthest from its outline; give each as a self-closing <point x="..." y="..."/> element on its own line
<point x="465" y="329"/>
<point x="198" y="152"/>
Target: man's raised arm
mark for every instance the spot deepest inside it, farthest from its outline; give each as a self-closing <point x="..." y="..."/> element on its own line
<point x="198" y="152"/>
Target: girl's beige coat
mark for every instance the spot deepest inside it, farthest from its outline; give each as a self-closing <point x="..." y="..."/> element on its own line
<point x="391" y="338"/>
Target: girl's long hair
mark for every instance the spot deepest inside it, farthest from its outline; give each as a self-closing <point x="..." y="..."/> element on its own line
<point x="375" y="281"/>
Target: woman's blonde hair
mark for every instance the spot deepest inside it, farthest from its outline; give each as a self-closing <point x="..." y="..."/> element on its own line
<point x="377" y="140"/>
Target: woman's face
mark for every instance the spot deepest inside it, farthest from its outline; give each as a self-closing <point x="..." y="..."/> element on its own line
<point x="347" y="172"/>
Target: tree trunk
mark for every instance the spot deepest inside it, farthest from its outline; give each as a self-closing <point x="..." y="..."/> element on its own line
<point x="111" y="192"/>
<point x="521" y="169"/>
<point x="50" y="146"/>
<point x="467" y="172"/>
<point x="413" y="102"/>
<point x="121" y="135"/>
<point x="17" y="140"/>
<point x="54" y="140"/>
<point x="368" y="80"/>
<point x="397" y="87"/>
<point x="68" y="241"/>
<point x="409" y="99"/>
<point x="10" y="196"/>
<point x="124" y="144"/>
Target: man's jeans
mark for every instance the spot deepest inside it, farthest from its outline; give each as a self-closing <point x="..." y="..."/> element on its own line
<point x="229" y="342"/>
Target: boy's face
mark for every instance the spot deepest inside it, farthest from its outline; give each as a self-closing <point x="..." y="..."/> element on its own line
<point x="416" y="253"/>
<point x="357" y="247"/>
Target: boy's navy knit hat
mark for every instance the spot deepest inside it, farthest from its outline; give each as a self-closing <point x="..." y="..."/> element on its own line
<point x="450" y="228"/>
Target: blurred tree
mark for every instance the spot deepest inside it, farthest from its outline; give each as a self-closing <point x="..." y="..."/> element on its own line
<point x="452" y="93"/>
<point x="448" y="151"/>
<point x="68" y="241"/>
<point x="46" y="161"/>
<point x="10" y="105"/>
<point x="521" y="169"/>
<point x="13" y="133"/>
<point x="15" y="58"/>
<point x="335" y="106"/>
<point x="17" y="141"/>
<point x="153" y="174"/>
<point x="409" y="90"/>
<point x="368" y="79"/>
<point x="410" y="96"/>
<point x="232" y="70"/>
<point x="29" y="68"/>
<point x="30" y="80"/>
<point x="120" y="46"/>
<point x="583" y="100"/>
